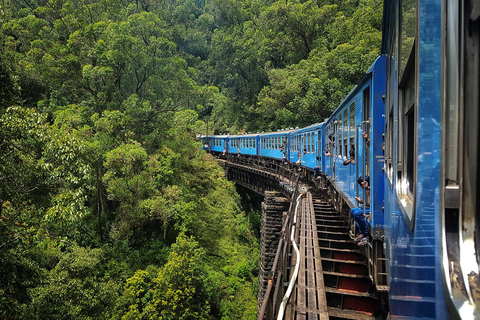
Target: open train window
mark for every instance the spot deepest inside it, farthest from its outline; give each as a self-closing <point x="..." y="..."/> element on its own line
<point x="312" y="135"/>
<point x="407" y="144"/>
<point x="407" y="114"/>
<point x="338" y="140"/>
<point x="352" y="124"/>
<point x="366" y="128"/>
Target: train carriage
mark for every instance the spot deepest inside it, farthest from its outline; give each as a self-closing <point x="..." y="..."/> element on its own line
<point x="245" y="144"/>
<point x="360" y="114"/>
<point x="306" y="146"/>
<point x="275" y="144"/>
<point x="214" y="143"/>
<point x="431" y="158"/>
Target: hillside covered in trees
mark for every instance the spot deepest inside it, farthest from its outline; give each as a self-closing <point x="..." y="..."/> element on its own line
<point x="108" y="207"/>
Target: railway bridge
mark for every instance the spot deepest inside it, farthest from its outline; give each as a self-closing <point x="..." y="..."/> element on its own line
<point x="310" y="268"/>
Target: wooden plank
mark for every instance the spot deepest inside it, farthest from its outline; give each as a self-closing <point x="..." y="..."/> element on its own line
<point x="312" y="293"/>
<point x="301" y="299"/>
<point x="321" y="295"/>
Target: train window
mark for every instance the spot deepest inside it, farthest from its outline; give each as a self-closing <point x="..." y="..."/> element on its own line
<point x="319" y="143"/>
<point x="352" y="124"/>
<point x="389" y="141"/>
<point x="408" y="32"/>
<point x="339" y="138"/>
<point x="313" y="142"/>
<point x="406" y="175"/>
<point x="366" y="127"/>
<point x="309" y="142"/>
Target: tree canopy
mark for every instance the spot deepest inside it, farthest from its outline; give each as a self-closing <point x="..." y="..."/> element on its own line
<point x="109" y="209"/>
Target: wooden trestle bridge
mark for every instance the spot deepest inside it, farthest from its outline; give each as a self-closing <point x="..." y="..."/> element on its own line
<point x="310" y="268"/>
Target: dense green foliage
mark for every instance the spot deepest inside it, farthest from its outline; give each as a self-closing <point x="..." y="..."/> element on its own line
<point x="109" y="209"/>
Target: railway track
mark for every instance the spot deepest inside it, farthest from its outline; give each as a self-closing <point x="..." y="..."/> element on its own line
<point x="349" y="291"/>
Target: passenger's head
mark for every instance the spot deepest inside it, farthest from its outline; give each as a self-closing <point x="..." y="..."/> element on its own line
<point x="363" y="181"/>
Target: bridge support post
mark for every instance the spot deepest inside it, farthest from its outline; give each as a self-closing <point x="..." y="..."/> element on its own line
<point x="273" y="208"/>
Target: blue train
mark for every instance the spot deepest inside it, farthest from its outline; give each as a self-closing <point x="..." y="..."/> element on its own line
<point x="412" y="125"/>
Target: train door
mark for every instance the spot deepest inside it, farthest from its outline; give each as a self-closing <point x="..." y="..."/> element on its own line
<point x="351" y="133"/>
<point x="366" y="134"/>
<point x="319" y="149"/>
<point x="460" y="179"/>
<point x="335" y="148"/>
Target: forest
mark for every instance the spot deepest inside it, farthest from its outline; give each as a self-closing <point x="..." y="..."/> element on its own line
<point x="109" y="209"/>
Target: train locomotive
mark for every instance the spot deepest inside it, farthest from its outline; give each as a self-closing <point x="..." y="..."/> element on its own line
<point x="411" y="125"/>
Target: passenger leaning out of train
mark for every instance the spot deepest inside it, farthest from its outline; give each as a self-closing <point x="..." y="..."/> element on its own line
<point x="352" y="156"/>
<point x="357" y="213"/>
<point x="365" y="136"/>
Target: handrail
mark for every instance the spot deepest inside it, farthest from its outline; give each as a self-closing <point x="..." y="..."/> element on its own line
<point x="297" y="265"/>
<point x="281" y="245"/>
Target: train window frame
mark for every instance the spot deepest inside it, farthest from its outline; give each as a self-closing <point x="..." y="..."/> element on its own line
<point x="352" y="123"/>
<point x="407" y="128"/>
<point x="308" y="142"/>
<point x="338" y="142"/>
<point x="313" y="142"/>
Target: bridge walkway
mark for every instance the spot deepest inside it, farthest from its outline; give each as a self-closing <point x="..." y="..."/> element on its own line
<point x="309" y="298"/>
<point x="333" y="281"/>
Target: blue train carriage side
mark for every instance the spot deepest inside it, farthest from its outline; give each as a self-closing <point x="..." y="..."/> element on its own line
<point x="353" y="144"/>
<point x="306" y="146"/>
<point x="214" y="143"/>
<point x="244" y="144"/>
<point x="432" y="158"/>
<point x="275" y="145"/>
<point x="219" y="143"/>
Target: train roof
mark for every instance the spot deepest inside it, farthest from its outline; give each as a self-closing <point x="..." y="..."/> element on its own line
<point x="279" y="132"/>
<point x="311" y="127"/>
<point x="246" y="135"/>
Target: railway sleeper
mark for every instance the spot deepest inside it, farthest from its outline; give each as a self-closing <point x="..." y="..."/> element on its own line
<point x="349" y="290"/>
